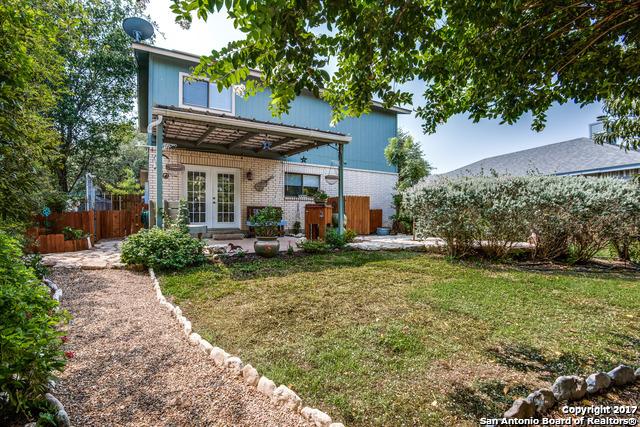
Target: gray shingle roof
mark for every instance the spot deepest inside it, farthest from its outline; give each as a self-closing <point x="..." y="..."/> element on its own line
<point x="575" y="155"/>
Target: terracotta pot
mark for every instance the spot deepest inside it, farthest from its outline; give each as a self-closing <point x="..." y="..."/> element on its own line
<point x="267" y="247"/>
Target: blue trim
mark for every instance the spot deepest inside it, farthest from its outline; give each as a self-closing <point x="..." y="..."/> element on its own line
<point x="596" y="170"/>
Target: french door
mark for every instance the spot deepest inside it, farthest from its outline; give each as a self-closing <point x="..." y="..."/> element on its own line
<point x="213" y="196"/>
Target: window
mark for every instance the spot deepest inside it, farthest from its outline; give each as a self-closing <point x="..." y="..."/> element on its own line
<point x="297" y="184"/>
<point x="202" y="94"/>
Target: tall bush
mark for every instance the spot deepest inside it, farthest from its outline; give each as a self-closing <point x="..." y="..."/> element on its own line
<point x="30" y="343"/>
<point x="563" y="217"/>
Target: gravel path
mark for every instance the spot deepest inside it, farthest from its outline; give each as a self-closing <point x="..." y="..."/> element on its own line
<point x="133" y="365"/>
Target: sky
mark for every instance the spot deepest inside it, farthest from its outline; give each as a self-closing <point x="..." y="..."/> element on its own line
<point x="454" y="144"/>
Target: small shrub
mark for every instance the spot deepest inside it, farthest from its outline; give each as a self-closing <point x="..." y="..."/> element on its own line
<point x="169" y="249"/>
<point x="73" y="233"/>
<point x="334" y="239"/>
<point x="350" y="235"/>
<point x="314" y="246"/>
<point x="31" y="345"/>
<point x="297" y="227"/>
<point x="266" y="221"/>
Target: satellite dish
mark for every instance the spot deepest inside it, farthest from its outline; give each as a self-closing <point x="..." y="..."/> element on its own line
<point x="137" y="28"/>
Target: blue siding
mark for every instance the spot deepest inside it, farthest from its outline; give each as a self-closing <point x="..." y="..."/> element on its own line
<point x="370" y="133"/>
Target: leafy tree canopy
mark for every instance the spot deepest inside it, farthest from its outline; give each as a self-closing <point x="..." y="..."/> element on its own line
<point x="498" y="59"/>
<point x="31" y="70"/>
<point x="93" y="117"/>
<point x="405" y="154"/>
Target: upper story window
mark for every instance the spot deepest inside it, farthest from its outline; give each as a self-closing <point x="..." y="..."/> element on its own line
<point x="297" y="184"/>
<point x="205" y="95"/>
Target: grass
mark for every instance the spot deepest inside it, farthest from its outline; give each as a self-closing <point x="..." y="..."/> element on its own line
<point x="403" y="338"/>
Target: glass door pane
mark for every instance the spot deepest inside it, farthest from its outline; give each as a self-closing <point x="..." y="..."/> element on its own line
<point x="197" y="196"/>
<point x="225" y="198"/>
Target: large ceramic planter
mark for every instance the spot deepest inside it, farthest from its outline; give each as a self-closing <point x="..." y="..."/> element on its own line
<point x="267" y="247"/>
<point x="335" y="217"/>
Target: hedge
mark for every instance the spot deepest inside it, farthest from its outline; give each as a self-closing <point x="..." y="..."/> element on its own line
<point x="570" y="217"/>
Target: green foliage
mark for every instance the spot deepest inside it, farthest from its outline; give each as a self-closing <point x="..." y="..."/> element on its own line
<point x="498" y="59"/>
<point x="127" y="186"/>
<point x="73" y="233"/>
<point x="131" y="155"/>
<point x="621" y="123"/>
<point x="334" y="239"/>
<point x="93" y="115"/>
<point x="266" y="221"/>
<point x="564" y="217"/>
<point x="314" y="246"/>
<point x="349" y="235"/>
<point x="31" y="344"/>
<point x="162" y="249"/>
<point x="319" y="196"/>
<point x="297" y="227"/>
<point x="34" y="262"/>
<point x="32" y="71"/>
<point x="406" y="155"/>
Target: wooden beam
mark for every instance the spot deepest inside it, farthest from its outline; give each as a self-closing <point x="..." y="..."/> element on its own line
<point x="205" y="135"/>
<point x="241" y="140"/>
<point x="278" y="143"/>
<point x="305" y="148"/>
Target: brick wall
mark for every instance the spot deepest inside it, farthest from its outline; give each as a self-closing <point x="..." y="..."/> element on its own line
<point x="378" y="185"/>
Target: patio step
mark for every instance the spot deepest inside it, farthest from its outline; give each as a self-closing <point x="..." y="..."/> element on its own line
<point x="233" y="234"/>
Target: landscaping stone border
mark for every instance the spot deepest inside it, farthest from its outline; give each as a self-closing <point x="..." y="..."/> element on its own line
<point x="280" y="396"/>
<point x="570" y="388"/>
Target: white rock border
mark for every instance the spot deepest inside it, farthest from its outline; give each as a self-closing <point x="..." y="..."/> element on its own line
<point x="571" y="388"/>
<point x="280" y="396"/>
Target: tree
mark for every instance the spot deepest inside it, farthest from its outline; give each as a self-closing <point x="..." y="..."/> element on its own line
<point x="498" y="59"/>
<point x="131" y="156"/>
<point x="621" y="123"/>
<point x="127" y="186"/>
<point x="406" y="155"/>
<point x="30" y="71"/>
<point x="94" y="117"/>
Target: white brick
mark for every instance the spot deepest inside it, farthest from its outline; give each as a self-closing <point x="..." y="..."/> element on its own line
<point x="379" y="186"/>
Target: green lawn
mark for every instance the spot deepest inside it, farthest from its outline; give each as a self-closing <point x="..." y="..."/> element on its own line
<point x="410" y="339"/>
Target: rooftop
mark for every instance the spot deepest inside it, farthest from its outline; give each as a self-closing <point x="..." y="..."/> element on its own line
<point x="576" y="156"/>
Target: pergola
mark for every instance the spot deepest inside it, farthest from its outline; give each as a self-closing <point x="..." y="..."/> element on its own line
<point x="223" y="134"/>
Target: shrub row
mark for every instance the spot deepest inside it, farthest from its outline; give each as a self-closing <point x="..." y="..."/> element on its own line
<point x="563" y="217"/>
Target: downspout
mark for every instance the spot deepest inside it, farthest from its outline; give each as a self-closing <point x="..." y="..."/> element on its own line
<point x="159" y="137"/>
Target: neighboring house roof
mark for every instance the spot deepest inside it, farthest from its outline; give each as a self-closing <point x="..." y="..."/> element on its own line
<point x="189" y="57"/>
<point x="574" y="157"/>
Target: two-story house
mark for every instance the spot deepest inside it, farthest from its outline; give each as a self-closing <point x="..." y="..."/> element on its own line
<point x="222" y="153"/>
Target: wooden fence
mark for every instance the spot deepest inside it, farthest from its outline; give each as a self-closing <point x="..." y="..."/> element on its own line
<point x="97" y="224"/>
<point x="375" y="220"/>
<point x="357" y="210"/>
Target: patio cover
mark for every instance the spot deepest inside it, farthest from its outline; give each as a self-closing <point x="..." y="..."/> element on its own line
<point x="219" y="133"/>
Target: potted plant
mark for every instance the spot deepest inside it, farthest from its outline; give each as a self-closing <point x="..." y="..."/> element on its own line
<point x="320" y="197"/>
<point x="266" y="222"/>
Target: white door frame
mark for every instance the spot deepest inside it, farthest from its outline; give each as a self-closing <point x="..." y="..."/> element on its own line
<point x="211" y="186"/>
